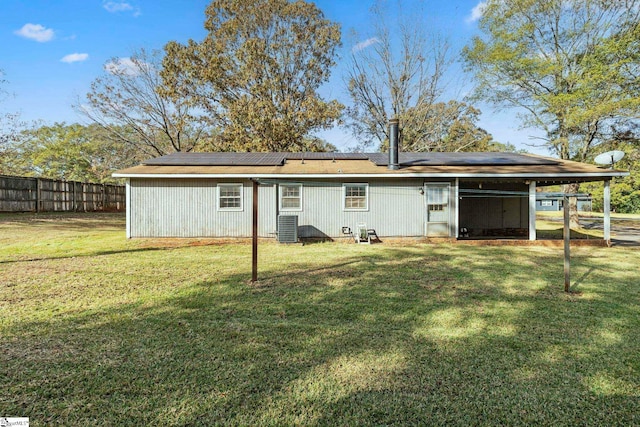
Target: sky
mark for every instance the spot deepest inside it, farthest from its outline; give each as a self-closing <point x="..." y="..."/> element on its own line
<point x="51" y="51"/>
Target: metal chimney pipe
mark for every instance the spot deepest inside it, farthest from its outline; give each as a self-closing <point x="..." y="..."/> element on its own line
<point x="393" y="144"/>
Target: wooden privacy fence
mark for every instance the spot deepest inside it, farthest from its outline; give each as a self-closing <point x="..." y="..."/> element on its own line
<point x="20" y="194"/>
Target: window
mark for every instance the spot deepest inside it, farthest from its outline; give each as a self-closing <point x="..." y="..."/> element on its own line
<point x="291" y="197"/>
<point x="230" y="197"/>
<point x="356" y="197"/>
<point x="546" y="203"/>
<point x="437" y="194"/>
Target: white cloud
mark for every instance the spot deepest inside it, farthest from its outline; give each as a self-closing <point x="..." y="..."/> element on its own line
<point x="124" y="66"/>
<point x="75" y="57"/>
<point x="476" y="12"/>
<point x="113" y="6"/>
<point x="121" y="6"/>
<point x="35" y="32"/>
<point x="365" y="44"/>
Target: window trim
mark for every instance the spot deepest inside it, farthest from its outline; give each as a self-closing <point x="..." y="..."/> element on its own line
<point x="546" y="202"/>
<point x="344" y="196"/>
<point x="281" y="193"/>
<point x="230" y="184"/>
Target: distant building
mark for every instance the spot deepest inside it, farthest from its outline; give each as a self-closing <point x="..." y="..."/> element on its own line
<point x="554" y="202"/>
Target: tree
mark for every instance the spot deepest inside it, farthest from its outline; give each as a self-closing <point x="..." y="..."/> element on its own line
<point x="316" y="144"/>
<point x="571" y="67"/>
<point x="9" y="129"/>
<point x="3" y="133"/>
<point x="447" y="126"/>
<point x="625" y="192"/>
<point x="257" y="72"/>
<point x="71" y="152"/>
<point x="396" y="72"/>
<point x="127" y="102"/>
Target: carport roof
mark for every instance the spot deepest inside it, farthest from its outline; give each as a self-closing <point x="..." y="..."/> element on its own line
<point x="367" y="165"/>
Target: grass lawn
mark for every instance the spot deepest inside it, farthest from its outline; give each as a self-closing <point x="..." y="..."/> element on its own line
<point x="548" y="229"/>
<point x="614" y="215"/>
<point x="549" y="225"/>
<point x="99" y="330"/>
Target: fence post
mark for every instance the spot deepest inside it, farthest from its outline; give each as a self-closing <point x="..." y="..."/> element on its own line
<point x="38" y="189"/>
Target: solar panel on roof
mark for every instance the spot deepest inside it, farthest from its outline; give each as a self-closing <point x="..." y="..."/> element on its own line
<point x="461" y="159"/>
<point x="326" y="156"/>
<point x="245" y="159"/>
<point x="218" y="159"/>
<point x="379" y="159"/>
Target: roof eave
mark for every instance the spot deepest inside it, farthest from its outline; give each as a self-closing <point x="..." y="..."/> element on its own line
<point x="523" y="175"/>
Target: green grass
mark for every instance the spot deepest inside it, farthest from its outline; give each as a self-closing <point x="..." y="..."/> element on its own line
<point x="546" y="229"/>
<point x="614" y="215"/>
<point x="99" y="330"/>
<point x="549" y="225"/>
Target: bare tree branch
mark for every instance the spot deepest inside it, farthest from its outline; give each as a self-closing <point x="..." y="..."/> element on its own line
<point x="127" y="102"/>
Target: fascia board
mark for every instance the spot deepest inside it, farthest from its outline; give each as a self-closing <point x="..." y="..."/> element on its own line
<point x="365" y="176"/>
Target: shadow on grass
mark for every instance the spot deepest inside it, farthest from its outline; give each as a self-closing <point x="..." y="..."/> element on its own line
<point x="558" y="234"/>
<point x="99" y="253"/>
<point x="576" y="283"/>
<point x="433" y="335"/>
<point x="68" y="221"/>
<point x="270" y="277"/>
<point x="143" y="246"/>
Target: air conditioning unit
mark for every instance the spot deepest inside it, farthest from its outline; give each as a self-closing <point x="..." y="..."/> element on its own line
<point x="287" y="229"/>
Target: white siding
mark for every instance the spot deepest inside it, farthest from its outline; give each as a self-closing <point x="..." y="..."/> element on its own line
<point x="187" y="208"/>
<point x="394" y="209"/>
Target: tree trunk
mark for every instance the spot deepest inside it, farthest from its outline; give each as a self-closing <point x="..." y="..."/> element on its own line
<point x="574" y="220"/>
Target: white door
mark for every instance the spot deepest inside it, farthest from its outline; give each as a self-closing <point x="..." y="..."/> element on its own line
<point x="438" y="209"/>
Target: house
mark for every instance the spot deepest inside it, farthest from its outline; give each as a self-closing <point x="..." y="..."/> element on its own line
<point x="430" y="194"/>
<point x="396" y="194"/>
<point x="546" y="201"/>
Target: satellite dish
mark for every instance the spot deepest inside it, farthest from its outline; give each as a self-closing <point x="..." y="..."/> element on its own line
<point x="609" y="158"/>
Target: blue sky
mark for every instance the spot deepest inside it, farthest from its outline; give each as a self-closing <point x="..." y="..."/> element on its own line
<point x="51" y="51"/>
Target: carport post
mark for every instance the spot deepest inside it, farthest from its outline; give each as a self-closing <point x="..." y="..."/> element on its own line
<point x="254" y="237"/>
<point x="127" y="206"/>
<point x="607" y="212"/>
<point x="567" y="247"/>
<point x="532" y="210"/>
